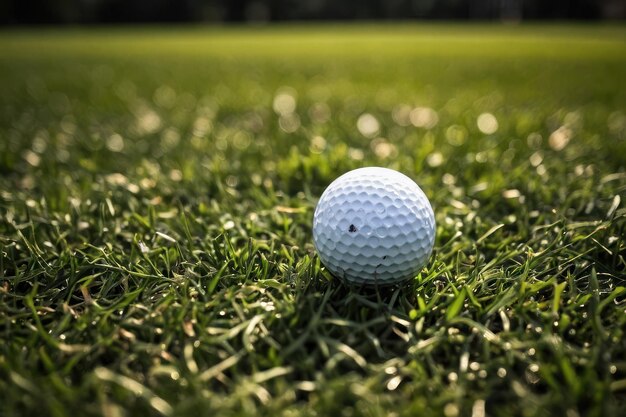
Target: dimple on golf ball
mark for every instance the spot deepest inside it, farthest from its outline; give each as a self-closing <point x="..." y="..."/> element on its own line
<point x="374" y="226"/>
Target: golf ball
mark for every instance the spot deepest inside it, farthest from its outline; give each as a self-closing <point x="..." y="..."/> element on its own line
<point x="374" y="226"/>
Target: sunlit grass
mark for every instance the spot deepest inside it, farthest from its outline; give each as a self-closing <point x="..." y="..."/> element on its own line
<point x="156" y="194"/>
<point x="330" y="40"/>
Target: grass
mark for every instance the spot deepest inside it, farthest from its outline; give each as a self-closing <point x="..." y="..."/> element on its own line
<point x="156" y="197"/>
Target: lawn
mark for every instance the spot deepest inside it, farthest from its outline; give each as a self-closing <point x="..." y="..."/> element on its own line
<point x="157" y="188"/>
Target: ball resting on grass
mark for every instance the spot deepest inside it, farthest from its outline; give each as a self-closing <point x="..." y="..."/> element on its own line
<point x="374" y="226"/>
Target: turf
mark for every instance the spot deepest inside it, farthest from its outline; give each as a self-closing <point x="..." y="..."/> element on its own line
<point x="157" y="187"/>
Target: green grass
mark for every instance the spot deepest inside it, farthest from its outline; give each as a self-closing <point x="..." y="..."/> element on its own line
<point x="155" y="221"/>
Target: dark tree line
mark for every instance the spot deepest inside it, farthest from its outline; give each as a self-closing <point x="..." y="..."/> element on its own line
<point x="17" y="12"/>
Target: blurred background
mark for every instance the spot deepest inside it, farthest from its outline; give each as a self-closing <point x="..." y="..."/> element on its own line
<point x="21" y="12"/>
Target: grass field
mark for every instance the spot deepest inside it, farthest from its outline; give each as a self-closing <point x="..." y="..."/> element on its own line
<point x="157" y="188"/>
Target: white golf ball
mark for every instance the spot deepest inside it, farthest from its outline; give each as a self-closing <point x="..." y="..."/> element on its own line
<point x="374" y="226"/>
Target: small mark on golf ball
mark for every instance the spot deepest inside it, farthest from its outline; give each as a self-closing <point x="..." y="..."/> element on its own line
<point x="352" y="228"/>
